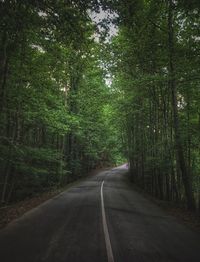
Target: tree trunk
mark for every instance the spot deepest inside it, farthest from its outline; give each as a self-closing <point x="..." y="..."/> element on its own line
<point x="172" y="85"/>
<point x="3" y="69"/>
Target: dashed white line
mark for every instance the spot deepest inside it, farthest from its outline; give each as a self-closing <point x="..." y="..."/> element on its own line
<point x="105" y="229"/>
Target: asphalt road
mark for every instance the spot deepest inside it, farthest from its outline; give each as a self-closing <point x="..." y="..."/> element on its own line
<point x="98" y="221"/>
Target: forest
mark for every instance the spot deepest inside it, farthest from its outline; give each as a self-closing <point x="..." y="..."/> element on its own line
<point x="74" y="96"/>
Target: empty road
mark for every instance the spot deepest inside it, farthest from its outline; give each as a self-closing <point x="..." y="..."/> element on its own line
<point x="101" y="219"/>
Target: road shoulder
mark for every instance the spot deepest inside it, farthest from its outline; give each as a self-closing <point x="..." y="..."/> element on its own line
<point x="11" y="212"/>
<point x="181" y="214"/>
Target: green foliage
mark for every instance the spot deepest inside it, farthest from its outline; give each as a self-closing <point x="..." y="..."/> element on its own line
<point x="141" y="58"/>
<point x="52" y="96"/>
<point x="59" y="118"/>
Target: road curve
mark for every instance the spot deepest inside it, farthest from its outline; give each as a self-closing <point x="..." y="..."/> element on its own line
<point x="99" y="220"/>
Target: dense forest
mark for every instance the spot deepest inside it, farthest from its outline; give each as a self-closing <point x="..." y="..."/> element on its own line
<point x="56" y="121"/>
<point x="75" y="97"/>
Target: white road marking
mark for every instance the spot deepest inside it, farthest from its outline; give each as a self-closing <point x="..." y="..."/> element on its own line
<point x="105" y="229"/>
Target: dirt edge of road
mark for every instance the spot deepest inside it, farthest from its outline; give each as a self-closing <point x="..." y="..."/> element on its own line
<point x="16" y="210"/>
<point x="182" y="215"/>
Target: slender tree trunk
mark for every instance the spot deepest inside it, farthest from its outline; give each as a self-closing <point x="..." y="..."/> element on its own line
<point x="6" y="178"/>
<point x="3" y="69"/>
<point x="172" y="84"/>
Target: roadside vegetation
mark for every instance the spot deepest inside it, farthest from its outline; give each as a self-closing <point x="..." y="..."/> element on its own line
<point x="55" y="108"/>
<point x="156" y="74"/>
<point x="71" y="100"/>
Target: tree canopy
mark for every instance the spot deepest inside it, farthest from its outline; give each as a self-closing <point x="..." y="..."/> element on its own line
<point x="72" y="99"/>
